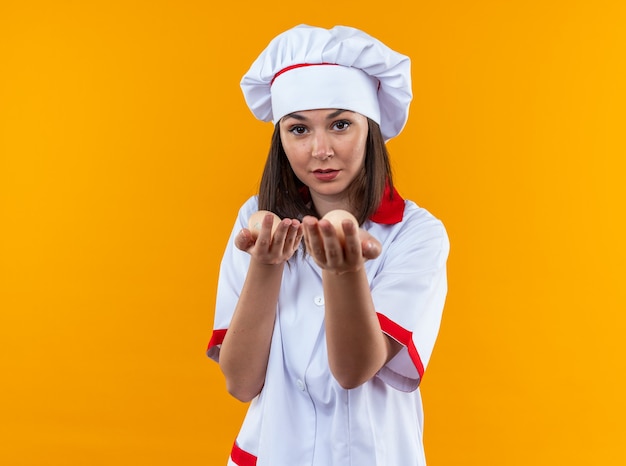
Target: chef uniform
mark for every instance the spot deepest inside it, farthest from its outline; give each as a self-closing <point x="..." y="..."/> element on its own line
<point x="302" y="416"/>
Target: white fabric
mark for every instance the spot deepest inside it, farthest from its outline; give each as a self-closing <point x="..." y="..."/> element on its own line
<point x="303" y="416"/>
<point x="340" y="45"/>
<point x="334" y="86"/>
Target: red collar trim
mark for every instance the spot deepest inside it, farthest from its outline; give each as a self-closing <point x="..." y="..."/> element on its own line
<point x="389" y="212"/>
<point x="391" y="208"/>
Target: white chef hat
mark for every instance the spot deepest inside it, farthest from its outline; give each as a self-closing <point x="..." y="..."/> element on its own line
<point x="306" y="68"/>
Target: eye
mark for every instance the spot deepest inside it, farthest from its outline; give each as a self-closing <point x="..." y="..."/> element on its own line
<point x="341" y="125"/>
<point x="297" y="129"/>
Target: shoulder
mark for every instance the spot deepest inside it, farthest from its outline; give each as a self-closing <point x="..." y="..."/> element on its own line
<point x="413" y="212"/>
<point x="250" y="206"/>
<point x="419" y="232"/>
<point x="422" y="221"/>
<point x="416" y="220"/>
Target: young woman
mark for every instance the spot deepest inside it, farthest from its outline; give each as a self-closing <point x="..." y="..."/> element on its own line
<point x="327" y="332"/>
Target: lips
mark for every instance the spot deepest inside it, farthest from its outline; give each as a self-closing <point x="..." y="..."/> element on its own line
<point x="326" y="175"/>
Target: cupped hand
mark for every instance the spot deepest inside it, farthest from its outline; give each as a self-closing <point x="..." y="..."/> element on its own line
<point x="268" y="248"/>
<point x="338" y="255"/>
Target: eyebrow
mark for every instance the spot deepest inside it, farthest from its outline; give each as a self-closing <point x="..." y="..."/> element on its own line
<point x="330" y="116"/>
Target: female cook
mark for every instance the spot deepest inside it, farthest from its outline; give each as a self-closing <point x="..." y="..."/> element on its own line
<point x="326" y="326"/>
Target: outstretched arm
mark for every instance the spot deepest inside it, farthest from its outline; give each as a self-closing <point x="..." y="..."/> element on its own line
<point x="245" y="349"/>
<point x="357" y="347"/>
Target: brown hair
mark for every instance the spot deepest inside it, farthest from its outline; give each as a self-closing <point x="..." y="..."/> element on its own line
<point x="282" y="192"/>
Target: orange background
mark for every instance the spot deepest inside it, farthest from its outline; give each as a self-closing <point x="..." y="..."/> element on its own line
<point x="126" y="149"/>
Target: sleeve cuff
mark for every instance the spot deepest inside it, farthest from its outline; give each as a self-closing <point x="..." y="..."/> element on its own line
<point x="395" y="372"/>
<point x="213" y="349"/>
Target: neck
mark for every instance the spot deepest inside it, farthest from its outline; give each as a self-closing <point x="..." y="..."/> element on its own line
<point x="324" y="205"/>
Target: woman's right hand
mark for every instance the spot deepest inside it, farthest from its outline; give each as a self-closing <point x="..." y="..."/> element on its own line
<point x="271" y="248"/>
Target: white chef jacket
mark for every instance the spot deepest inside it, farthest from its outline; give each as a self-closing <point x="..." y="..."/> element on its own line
<point x="302" y="415"/>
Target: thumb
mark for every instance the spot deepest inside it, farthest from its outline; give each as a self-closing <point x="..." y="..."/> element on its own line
<point x="370" y="246"/>
<point x="244" y="240"/>
<point x="371" y="249"/>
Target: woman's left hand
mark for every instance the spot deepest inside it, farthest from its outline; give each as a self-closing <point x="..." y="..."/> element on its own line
<point x="332" y="253"/>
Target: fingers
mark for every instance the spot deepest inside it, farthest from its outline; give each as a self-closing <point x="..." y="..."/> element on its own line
<point x="313" y="239"/>
<point x="294" y="238"/>
<point x="265" y="230"/>
<point x="271" y="242"/>
<point x="352" y="242"/>
<point x="287" y="237"/>
<point x="328" y="247"/>
<point x="331" y="250"/>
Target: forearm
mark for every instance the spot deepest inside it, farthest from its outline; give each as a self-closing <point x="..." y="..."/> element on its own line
<point x="357" y="348"/>
<point x="245" y="349"/>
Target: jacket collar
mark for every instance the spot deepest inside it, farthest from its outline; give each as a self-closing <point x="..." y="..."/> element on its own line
<point x="391" y="208"/>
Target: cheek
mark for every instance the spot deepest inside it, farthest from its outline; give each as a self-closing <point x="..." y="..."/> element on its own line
<point x="293" y="149"/>
<point x="358" y="154"/>
<point x="358" y="148"/>
<point x="297" y="162"/>
<point x="295" y="152"/>
<point x="287" y="142"/>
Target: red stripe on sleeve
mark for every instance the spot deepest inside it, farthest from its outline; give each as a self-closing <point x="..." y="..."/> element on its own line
<point x="405" y="337"/>
<point x="242" y="458"/>
<point x="217" y="338"/>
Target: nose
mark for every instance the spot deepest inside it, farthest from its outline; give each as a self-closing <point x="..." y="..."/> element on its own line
<point x="321" y="148"/>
